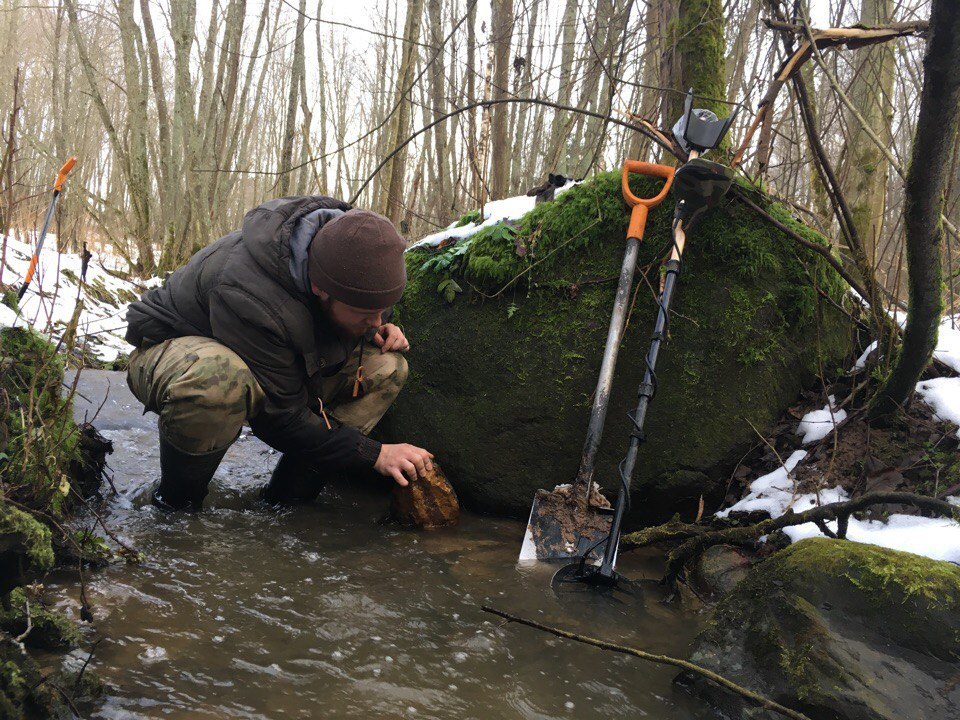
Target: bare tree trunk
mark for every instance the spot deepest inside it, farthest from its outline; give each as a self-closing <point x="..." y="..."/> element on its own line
<point x="391" y="203"/>
<point x="129" y="163"/>
<point x="480" y="163"/>
<point x="561" y="122"/>
<point x="169" y="182"/>
<point x="926" y="181"/>
<point x="440" y="202"/>
<point x="322" y="95"/>
<point x="698" y="44"/>
<point x="472" y="149"/>
<point x="650" y="95"/>
<point x="737" y="58"/>
<point x="290" y="121"/>
<point x="137" y="133"/>
<point x="863" y="176"/>
<point x="501" y="26"/>
<point x="183" y="18"/>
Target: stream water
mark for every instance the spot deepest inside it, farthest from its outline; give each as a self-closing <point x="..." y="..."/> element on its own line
<point x="322" y="611"/>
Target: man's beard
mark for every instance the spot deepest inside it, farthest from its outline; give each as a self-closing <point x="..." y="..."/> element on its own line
<point x="347" y="332"/>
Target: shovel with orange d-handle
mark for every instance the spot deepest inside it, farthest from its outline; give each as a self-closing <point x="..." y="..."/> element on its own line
<point x="57" y="187"/>
<point x="573" y="520"/>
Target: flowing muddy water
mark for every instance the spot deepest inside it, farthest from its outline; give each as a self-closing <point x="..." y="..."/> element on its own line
<point x="321" y="611"/>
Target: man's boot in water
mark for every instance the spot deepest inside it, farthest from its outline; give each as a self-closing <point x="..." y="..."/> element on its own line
<point x="184" y="477"/>
<point x="297" y="478"/>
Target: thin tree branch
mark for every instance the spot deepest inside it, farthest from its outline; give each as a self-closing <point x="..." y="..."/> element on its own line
<point x="486" y="103"/>
<point x="659" y="659"/>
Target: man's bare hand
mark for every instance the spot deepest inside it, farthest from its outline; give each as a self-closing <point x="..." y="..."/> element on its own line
<point x="390" y="337"/>
<point x="403" y="461"/>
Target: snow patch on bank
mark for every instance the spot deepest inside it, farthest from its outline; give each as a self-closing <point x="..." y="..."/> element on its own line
<point x="776" y="492"/>
<point x="817" y="424"/>
<point x="49" y="302"/>
<point x="936" y="538"/>
<point x="943" y="395"/>
<point x="511" y="208"/>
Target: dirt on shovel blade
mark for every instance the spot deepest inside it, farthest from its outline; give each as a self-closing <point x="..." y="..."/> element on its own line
<point x="561" y="526"/>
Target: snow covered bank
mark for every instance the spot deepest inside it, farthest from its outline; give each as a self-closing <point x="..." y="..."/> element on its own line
<point x="776" y="492"/>
<point x="512" y="208"/>
<point x="52" y="296"/>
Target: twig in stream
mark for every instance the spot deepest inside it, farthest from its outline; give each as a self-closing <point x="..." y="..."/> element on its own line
<point x="661" y="659"/>
<point x="23" y="636"/>
<point x="131" y="554"/>
<point x="93" y="649"/>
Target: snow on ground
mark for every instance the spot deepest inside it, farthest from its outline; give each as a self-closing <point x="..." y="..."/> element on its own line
<point x="943" y="395"/>
<point x="817" y="424"/>
<point x="775" y="492"/>
<point x="511" y="208"/>
<point x="52" y="295"/>
<point x="948" y="343"/>
<point x="937" y="538"/>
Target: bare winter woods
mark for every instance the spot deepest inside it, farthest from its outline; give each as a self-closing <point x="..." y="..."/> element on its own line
<point x="184" y="115"/>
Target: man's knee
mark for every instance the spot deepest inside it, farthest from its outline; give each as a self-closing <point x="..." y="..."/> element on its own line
<point x="401" y="369"/>
<point x="390" y="373"/>
<point x="207" y="405"/>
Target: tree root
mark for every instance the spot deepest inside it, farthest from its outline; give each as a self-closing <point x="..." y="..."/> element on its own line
<point x="661" y="659"/>
<point x="695" y="539"/>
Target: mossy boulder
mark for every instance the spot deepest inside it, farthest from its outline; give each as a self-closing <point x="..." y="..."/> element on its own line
<point x="23" y="692"/>
<point x="837" y="629"/>
<point x="25" y="547"/>
<point x="507" y="330"/>
<point x="49" y="630"/>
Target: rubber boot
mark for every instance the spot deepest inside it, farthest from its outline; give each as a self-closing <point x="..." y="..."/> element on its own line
<point x="296" y="479"/>
<point x="184" y="477"/>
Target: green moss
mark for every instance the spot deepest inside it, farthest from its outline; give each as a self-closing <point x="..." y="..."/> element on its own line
<point x="9" y="298"/>
<point x="835" y="628"/>
<point x="506" y="372"/>
<point x="49" y="630"/>
<point x="13" y="688"/>
<point x="91" y="548"/>
<point x="31" y="534"/>
<point x="25" y="691"/>
<point x="698" y="33"/>
<point x="41" y="434"/>
<point x="899" y="594"/>
<point x="888" y="577"/>
<point x="471" y="217"/>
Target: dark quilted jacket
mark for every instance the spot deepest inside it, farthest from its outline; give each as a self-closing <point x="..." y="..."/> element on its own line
<point x="240" y="291"/>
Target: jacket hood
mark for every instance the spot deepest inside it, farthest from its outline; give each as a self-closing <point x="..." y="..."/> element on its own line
<point x="267" y="231"/>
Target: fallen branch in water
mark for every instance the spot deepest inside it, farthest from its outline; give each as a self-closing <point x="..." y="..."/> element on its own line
<point x="661" y="659"/>
<point x="93" y="649"/>
<point x="23" y="636"/>
<point x="694" y="539"/>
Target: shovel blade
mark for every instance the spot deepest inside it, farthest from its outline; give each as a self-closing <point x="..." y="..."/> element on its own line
<point x="559" y="528"/>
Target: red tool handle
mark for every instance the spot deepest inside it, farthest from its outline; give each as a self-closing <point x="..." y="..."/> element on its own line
<point x="638" y="215"/>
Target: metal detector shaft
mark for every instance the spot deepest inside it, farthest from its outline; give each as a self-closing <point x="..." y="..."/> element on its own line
<point x="601" y="397"/>
<point x="645" y="395"/>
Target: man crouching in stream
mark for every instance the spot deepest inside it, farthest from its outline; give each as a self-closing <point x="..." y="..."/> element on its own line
<point x="281" y="325"/>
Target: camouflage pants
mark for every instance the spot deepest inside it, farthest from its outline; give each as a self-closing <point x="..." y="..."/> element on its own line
<point x="204" y="392"/>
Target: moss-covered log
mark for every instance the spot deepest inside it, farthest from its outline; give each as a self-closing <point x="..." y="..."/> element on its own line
<point x="507" y="330"/>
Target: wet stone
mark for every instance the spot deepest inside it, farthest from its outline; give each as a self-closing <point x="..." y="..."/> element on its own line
<point x="428" y="503"/>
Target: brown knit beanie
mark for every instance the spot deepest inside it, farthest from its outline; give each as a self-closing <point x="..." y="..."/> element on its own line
<point x="357" y="259"/>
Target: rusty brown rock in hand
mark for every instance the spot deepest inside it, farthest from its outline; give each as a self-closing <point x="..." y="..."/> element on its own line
<point x="429" y="502"/>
